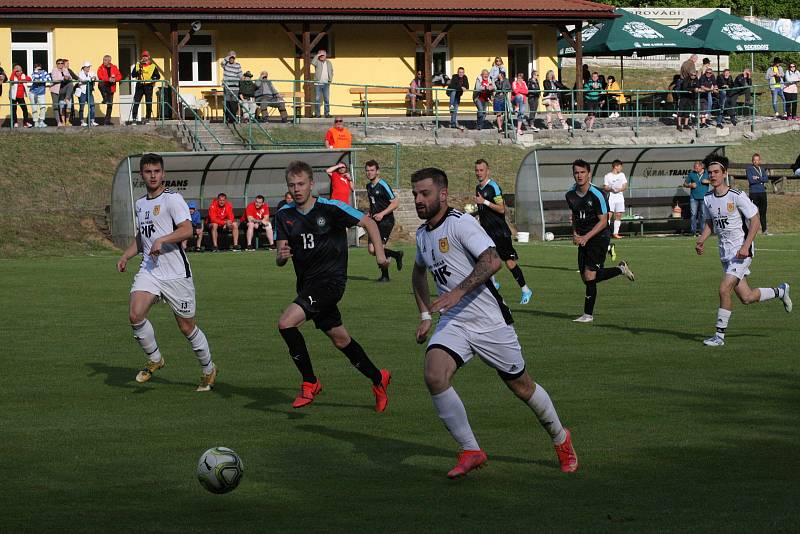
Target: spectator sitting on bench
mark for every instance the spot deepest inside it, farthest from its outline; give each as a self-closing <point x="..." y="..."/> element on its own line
<point x="256" y="215"/>
<point x="287" y="199"/>
<point x="197" y="226"/>
<point x="267" y="95"/>
<point x="247" y="96"/>
<point x="415" y="93"/>
<point x="220" y="215"/>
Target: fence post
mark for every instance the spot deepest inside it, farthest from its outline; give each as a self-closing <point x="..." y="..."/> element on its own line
<point x="638" y="114"/>
<point x="572" y="111"/>
<point x="753" y="109"/>
<point x="397" y="165"/>
<point x="435" y="113"/>
<point x="366" y="109"/>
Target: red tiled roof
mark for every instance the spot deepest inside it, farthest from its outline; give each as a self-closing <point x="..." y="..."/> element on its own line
<point x="458" y="8"/>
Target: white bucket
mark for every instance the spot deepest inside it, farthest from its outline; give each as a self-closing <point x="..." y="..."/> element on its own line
<point x="523" y="237"/>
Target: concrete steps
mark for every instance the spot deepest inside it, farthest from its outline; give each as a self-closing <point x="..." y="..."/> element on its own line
<point x="405" y="216"/>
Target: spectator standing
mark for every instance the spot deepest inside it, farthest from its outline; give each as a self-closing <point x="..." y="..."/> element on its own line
<point x="687" y="103"/>
<point x="67" y="91"/>
<point x="455" y="90"/>
<point x="56" y="75"/>
<point x="38" y="94"/>
<point x="616" y="98"/>
<point x="501" y="94"/>
<point x="697" y="183"/>
<point x="757" y="178"/>
<point x="341" y="182"/>
<point x="497" y="68"/>
<point x="689" y="67"/>
<point x="3" y="79"/>
<point x="725" y="85"/>
<point x="256" y="215"/>
<point x="145" y="73"/>
<point x="534" y="92"/>
<point x="231" y="76"/>
<point x="85" y="93"/>
<point x="18" y="92"/>
<point x="247" y="96"/>
<point x="109" y="76"/>
<point x="586" y="74"/>
<point x="708" y="85"/>
<point x="323" y="77"/>
<point x="220" y="216"/>
<point x="791" y="79"/>
<point x="551" y="99"/>
<point x="266" y="95"/>
<point x="484" y="87"/>
<point x="338" y="136"/>
<point x="591" y="99"/>
<point x="197" y="226"/>
<point x="519" y="97"/>
<point x="414" y="93"/>
<point x="774" y="77"/>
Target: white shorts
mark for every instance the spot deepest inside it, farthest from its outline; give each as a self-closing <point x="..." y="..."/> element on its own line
<point x="499" y="348"/>
<point x="616" y="203"/>
<point x="737" y="268"/>
<point x="178" y="293"/>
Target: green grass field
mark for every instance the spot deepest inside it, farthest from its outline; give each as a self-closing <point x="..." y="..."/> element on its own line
<point x="671" y="435"/>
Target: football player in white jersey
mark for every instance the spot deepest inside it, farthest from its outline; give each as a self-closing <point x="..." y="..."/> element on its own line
<point x="473" y="320"/>
<point x="615" y="183"/>
<point x="162" y="223"/>
<point x="729" y="213"/>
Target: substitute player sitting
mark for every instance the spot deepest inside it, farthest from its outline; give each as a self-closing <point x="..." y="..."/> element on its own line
<point x="474" y="320"/>
<point x="162" y="223"/>
<point x="312" y="232"/>
<point x="728" y="212"/>
<point x="615" y="183"/>
<point x="257" y="217"/>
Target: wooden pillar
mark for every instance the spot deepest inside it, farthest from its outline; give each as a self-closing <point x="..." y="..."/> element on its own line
<point x="579" y="61"/>
<point x="428" y="48"/>
<point x="173" y="48"/>
<point x="308" y="88"/>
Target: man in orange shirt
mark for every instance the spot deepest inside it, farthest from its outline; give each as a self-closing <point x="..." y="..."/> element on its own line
<point x="338" y="136"/>
<point x="341" y="182"/>
<point x="256" y="215"/>
<point x="220" y="215"/>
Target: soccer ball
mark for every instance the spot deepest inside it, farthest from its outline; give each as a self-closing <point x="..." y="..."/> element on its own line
<point x="220" y="470"/>
<point x="549" y="236"/>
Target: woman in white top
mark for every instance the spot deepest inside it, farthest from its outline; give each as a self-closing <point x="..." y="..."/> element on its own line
<point x="791" y="79"/>
<point x="85" y="92"/>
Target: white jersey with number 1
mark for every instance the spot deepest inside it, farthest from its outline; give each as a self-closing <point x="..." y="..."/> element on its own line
<point x="450" y="251"/>
<point x="157" y="217"/>
<point x="730" y="218"/>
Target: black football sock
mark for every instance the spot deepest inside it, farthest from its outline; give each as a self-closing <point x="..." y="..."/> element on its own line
<point x="605" y="274"/>
<point x="355" y="353"/>
<point x="516" y="272"/>
<point x="385" y="272"/>
<point x="591" y="296"/>
<point x="299" y="353"/>
<point x="390" y="253"/>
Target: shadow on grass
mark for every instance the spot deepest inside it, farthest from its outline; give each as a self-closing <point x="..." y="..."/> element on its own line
<point x="551" y="268"/>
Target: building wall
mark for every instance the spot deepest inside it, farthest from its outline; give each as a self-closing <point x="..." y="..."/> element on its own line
<point x="363" y="54"/>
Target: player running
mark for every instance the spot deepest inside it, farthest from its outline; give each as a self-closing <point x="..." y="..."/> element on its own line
<point x="615" y="183"/>
<point x="382" y="203"/>
<point x="474" y="320"/>
<point x="590" y="233"/>
<point x="728" y="213"/>
<point x="492" y="214"/>
<point x="162" y="223"/>
<point x="312" y="232"/>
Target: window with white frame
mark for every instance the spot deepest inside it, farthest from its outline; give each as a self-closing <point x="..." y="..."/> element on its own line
<point x="440" y="56"/>
<point x="29" y="47"/>
<point x="197" y="61"/>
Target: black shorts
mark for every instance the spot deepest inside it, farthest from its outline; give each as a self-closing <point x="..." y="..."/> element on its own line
<point x="592" y="255"/>
<point x="385" y="228"/>
<point x="592" y="106"/>
<point x="504" y="247"/>
<point x="319" y="300"/>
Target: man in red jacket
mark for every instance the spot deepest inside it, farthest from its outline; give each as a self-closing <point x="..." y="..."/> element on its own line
<point x="109" y="75"/>
<point x="220" y="215"/>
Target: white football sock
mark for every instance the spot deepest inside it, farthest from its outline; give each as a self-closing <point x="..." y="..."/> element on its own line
<point x="454" y="416"/>
<point x="723" y="316"/>
<point x="144" y="334"/>
<point x="201" y="349"/>
<point x="767" y="293"/>
<point x="617" y="224"/>
<point x="542" y="406"/>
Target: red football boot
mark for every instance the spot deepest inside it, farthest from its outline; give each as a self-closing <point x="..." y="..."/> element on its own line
<point x="381" y="399"/>
<point x="307" y="393"/>
<point x="566" y="454"/>
<point x="467" y="461"/>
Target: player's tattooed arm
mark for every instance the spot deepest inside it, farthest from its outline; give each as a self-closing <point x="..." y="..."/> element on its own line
<point x="488" y="263"/>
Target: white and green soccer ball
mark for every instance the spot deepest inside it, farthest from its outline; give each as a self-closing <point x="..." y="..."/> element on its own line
<point x="220" y="470"/>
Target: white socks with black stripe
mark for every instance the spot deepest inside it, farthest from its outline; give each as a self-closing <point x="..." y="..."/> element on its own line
<point x="144" y="334"/>
<point x="542" y="406"/>
<point x="201" y="349"/>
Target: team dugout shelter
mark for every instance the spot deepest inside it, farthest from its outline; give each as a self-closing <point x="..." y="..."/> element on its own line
<point x="201" y="176"/>
<point x="655" y="176"/>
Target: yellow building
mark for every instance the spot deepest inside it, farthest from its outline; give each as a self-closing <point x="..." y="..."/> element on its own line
<point x="370" y="42"/>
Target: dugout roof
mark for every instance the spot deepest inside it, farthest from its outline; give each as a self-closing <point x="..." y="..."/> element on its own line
<point x="200" y="176"/>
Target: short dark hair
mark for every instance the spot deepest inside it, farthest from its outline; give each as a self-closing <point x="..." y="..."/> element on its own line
<point x="260" y="197"/>
<point x="616" y="162"/>
<point x="706" y="61"/>
<point x="583" y="164"/>
<point x="299" y="167"/>
<point x="372" y="163"/>
<point x="222" y="195"/>
<point x="717" y="159"/>
<point x="776" y="59"/>
<point x="481" y="160"/>
<point x="754" y="155"/>
<point x="437" y="175"/>
<point x="150" y="159"/>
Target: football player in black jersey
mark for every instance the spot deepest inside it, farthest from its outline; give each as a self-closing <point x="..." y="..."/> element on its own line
<point x="382" y="203"/>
